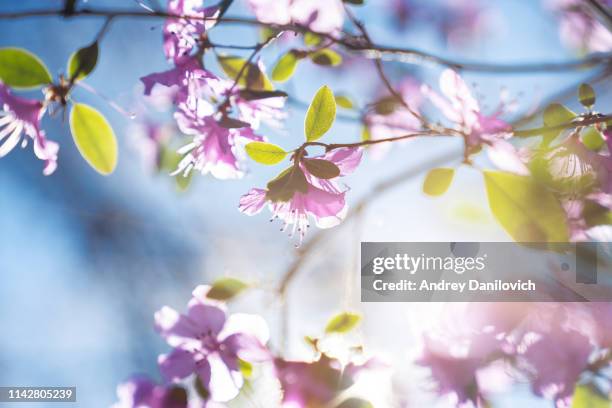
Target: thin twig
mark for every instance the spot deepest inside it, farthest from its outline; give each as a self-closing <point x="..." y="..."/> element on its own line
<point x="375" y="51"/>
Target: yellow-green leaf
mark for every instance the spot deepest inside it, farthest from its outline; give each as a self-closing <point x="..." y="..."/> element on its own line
<point x="326" y="57"/>
<point x="587" y="397"/>
<point x="311" y="39"/>
<point x="323" y="169"/>
<point x="355" y="402"/>
<point x="265" y="153"/>
<point x="592" y="138"/>
<point x="83" y="61"/>
<point x="438" y="181"/>
<point x="321" y="114"/>
<point x="251" y="77"/>
<point x="525" y="209"/>
<point x="343" y="322"/>
<point x="226" y="288"/>
<point x="344" y="102"/>
<point x="285" y="67"/>
<point x="556" y="114"/>
<point x="20" y="68"/>
<point x="586" y="95"/>
<point x="94" y="137"/>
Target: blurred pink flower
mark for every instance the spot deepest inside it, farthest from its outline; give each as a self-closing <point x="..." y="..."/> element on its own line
<point x="579" y="27"/>
<point x="299" y="195"/>
<point x="140" y="391"/>
<point x="323" y="16"/>
<point x="400" y="120"/>
<point x="209" y="344"/>
<point x="21" y="116"/>
<point x="316" y="383"/>
<point x="182" y="35"/>
<point x="554" y="355"/>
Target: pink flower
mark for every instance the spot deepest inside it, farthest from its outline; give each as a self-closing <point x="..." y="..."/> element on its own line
<point x="391" y="118"/>
<point x="209" y="344"/>
<point x="323" y="16"/>
<point x="579" y="27"/>
<point x="296" y="194"/>
<point x="182" y="35"/>
<point x="554" y="355"/>
<point x="463" y="110"/>
<point x="20" y="116"/>
<point x="140" y="392"/>
<point x="215" y="149"/>
<point x="316" y="383"/>
<point x="185" y="73"/>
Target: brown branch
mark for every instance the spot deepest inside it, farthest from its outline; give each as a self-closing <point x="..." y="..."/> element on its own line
<point x="374" y="51"/>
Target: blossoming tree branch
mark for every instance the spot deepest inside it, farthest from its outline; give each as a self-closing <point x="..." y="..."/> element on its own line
<point x="548" y="183"/>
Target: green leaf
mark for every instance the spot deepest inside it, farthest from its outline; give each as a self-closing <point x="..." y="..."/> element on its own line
<point x="286" y="184"/>
<point x="586" y="95"/>
<point x="323" y="169"/>
<point x="344" y="102"/>
<point x="251" y="77"/>
<point x="365" y="134"/>
<point x="355" y="402"/>
<point x="226" y="288"/>
<point x="326" y="57"/>
<point x="438" y="181"/>
<point x="285" y="67"/>
<point x="386" y="106"/>
<point x="20" y="68"/>
<point x="183" y="182"/>
<point x="556" y="114"/>
<point x="343" y="322"/>
<point x="201" y="389"/>
<point x="83" y="61"/>
<point x="525" y="209"/>
<point x="265" y="153"/>
<point x="592" y="138"/>
<point x="585" y="396"/>
<point x="321" y="114"/>
<point x="94" y="137"/>
<point x="311" y="39"/>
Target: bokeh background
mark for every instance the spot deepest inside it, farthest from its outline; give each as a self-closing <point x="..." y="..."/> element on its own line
<point x="86" y="260"/>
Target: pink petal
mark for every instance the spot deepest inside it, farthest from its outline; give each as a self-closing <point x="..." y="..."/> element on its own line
<point x="176" y="365"/>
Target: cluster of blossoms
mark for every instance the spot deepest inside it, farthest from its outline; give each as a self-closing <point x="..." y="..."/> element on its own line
<point x="213" y="348"/>
<point x="204" y="101"/>
<point x="19" y="122"/>
<point x="322" y="16"/>
<point x="552" y="346"/>
<point x="579" y="27"/>
<point x="458" y="22"/>
<point x="298" y="193"/>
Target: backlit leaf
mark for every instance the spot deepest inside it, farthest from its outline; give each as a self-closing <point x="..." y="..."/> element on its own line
<point x="251" y="77"/>
<point x="226" y="288"/>
<point x="323" y="169"/>
<point x="326" y="57"/>
<point x="265" y="153"/>
<point x="586" y="95"/>
<point x="94" y="138"/>
<point x="355" y="402"/>
<point x="344" y="102"/>
<point x="592" y="138"/>
<point x="438" y="181"/>
<point x="286" y="184"/>
<point x="556" y="114"/>
<point x="83" y="61"/>
<point x="343" y="322"/>
<point x="321" y="114"/>
<point x="285" y="67"/>
<point x="585" y="396"/>
<point x="20" y="68"/>
<point x="525" y="209"/>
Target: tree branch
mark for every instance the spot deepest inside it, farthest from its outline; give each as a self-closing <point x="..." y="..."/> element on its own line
<point x="374" y="51"/>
